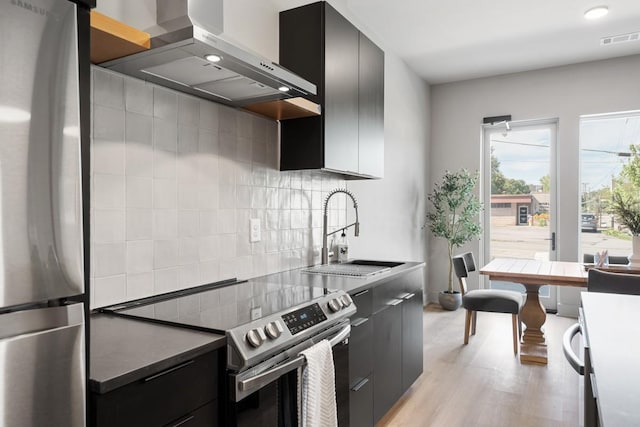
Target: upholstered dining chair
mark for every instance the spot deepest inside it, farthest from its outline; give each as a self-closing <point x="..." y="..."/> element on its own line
<point x="487" y="300"/>
<point x="613" y="283"/>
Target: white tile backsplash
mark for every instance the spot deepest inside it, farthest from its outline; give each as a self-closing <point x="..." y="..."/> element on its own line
<point x="188" y="223"/>
<point x="109" y="290"/>
<point x="209" y="247"/>
<point x="108" y="259"/>
<point x="108" y="156"/>
<point x="165" y="224"/>
<point x="165" y="280"/>
<point x="108" y="225"/>
<point x="139" y="224"/>
<point x="165" y="134"/>
<point x="165" y="194"/>
<point x="138" y="97"/>
<point x="165" y="253"/>
<point x="165" y="104"/>
<point x="188" y="111"/>
<point x="139" y="256"/>
<point x="175" y="181"/>
<point x="139" y="285"/>
<point x="108" y="89"/>
<point x="139" y="192"/>
<point x="139" y="128"/>
<point x="108" y="191"/>
<point x="108" y="123"/>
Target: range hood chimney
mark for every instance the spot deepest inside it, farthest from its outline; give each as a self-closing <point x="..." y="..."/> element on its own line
<point x="189" y="55"/>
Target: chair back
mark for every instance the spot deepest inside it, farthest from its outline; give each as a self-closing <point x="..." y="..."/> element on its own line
<point x="463" y="264"/>
<point x="613" y="259"/>
<point x="614" y="283"/>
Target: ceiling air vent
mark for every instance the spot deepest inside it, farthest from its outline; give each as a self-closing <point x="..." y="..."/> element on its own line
<point x="622" y="38"/>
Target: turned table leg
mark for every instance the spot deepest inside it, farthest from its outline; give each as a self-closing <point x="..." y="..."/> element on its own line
<point x="533" y="348"/>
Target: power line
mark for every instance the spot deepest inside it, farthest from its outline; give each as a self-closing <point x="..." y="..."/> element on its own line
<point x="520" y="143"/>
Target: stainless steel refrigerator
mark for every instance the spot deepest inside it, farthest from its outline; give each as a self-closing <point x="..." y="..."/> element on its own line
<point x="42" y="331"/>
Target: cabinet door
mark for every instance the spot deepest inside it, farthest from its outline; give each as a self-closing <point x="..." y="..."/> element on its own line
<point x="361" y="403"/>
<point x="371" y="108"/>
<point x="360" y="349"/>
<point x="411" y="339"/>
<point x="341" y="92"/>
<point x="387" y="342"/>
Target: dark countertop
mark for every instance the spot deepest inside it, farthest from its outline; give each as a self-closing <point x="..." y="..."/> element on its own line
<point x="614" y="338"/>
<point x="125" y="350"/>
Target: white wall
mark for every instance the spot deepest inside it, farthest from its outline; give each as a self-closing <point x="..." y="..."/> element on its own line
<point x="564" y="93"/>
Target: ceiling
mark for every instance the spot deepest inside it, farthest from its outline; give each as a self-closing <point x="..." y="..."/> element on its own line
<point x="452" y="40"/>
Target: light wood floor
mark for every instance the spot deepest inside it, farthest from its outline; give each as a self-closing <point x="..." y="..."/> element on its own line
<point x="483" y="383"/>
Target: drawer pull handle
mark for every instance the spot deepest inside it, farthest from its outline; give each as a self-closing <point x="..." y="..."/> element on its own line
<point x="168" y="371"/>
<point x="361" y="384"/>
<point x="359" y="322"/>
<point x="394" y="302"/>
<point x="357" y="294"/>
<point x="184" y="421"/>
<point x="409" y="296"/>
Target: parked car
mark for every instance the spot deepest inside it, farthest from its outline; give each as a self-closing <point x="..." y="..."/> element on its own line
<point x="589" y="222"/>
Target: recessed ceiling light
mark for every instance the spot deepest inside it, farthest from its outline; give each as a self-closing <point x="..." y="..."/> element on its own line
<point x="213" y="58"/>
<point x="283" y="89"/>
<point x="596" y="12"/>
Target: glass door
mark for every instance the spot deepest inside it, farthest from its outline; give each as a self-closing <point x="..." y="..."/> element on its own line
<point x="519" y="196"/>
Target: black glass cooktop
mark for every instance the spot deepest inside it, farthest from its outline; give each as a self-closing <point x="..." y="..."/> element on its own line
<point x="219" y="307"/>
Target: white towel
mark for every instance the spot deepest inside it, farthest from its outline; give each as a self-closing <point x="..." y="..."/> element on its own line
<point x="316" y="388"/>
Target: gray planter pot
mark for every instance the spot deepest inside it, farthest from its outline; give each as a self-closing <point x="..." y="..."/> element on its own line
<point x="450" y="301"/>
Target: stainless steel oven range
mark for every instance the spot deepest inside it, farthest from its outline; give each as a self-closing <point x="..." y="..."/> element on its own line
<point x="267" y="325"/>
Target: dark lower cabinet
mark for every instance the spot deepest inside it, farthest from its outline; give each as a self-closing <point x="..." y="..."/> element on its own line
<point x="385" y="347"/>
<point x="387" y="363"/>
<point x="412" y="341"/>
<point x="181" y="395"/>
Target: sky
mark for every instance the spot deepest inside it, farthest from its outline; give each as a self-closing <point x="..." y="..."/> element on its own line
<point x="524" y="154"/>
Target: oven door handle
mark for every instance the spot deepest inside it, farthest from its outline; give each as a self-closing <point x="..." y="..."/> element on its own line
<point x="572" y="358"/>
<point x="266" y="377"/>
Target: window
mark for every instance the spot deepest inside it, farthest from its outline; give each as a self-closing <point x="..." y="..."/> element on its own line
<point x="500" y="205"/>
<point x="605" y="151"/>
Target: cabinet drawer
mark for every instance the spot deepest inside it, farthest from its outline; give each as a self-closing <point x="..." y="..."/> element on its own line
<point x="361" y="403"/>
<point x="162" y="397"/>
<point x="363" y="301"/>
<point x="360" y="349"/>
<point x="206" y="416"/>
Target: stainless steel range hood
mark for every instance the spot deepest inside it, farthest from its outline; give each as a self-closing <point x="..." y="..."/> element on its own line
<point x="186" y="35"/>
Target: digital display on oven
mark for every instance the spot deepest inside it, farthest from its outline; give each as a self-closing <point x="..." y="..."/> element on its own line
<point x="304" y="318"/>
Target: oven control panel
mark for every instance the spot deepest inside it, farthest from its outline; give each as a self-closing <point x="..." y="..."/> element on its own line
<point x="255" y="341"/>
<point x="304" y="318"/>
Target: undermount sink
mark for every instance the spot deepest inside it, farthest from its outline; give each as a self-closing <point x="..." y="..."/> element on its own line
<point x="355" y="268"/>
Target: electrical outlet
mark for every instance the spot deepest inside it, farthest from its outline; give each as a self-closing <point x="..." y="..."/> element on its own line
<point x="256" y="313"/>
<point x="254" y="225"/>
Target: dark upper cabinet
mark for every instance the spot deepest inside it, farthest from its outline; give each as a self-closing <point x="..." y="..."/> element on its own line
<point x="371" y="108"/>
<point x="322" y="46"/>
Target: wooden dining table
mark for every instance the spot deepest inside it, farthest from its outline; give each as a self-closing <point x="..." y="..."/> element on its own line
<point x="534" y="274"/>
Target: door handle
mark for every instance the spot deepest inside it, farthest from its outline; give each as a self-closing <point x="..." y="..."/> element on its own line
<point x="553" y="241"/>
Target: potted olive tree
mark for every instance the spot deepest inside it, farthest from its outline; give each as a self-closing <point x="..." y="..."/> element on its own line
<point x="454" y="216"/>
<point x="627" y="210"/>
